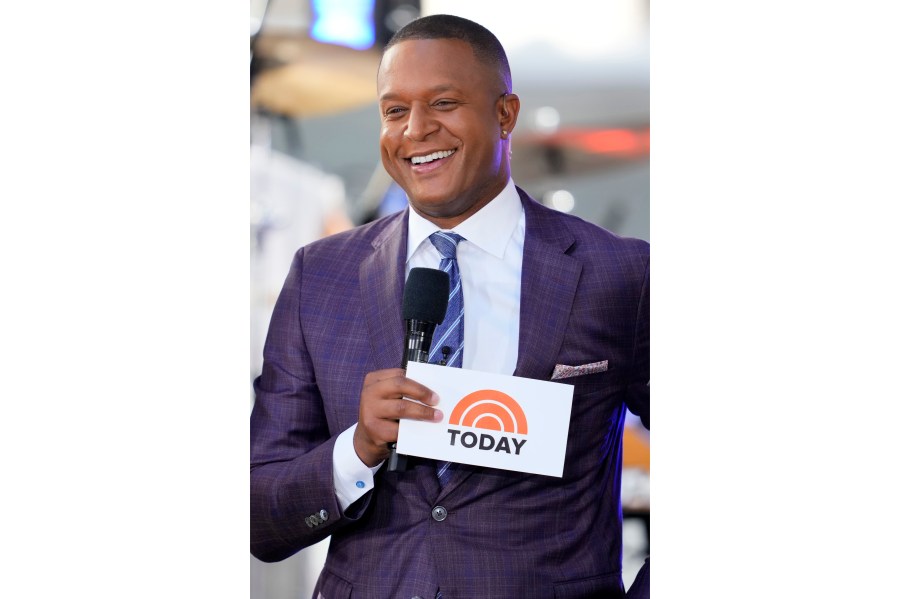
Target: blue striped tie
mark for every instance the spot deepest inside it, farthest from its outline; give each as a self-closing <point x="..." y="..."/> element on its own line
<point x="448" y="334"/>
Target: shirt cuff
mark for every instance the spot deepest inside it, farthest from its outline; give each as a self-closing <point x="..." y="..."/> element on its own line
<point x="352" y="478"/>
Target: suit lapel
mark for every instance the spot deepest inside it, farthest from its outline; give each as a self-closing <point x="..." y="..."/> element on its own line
<point x="381" y="277"/>
<point x="549" y="281"/>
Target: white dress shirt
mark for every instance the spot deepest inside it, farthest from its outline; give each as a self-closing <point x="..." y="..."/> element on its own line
<point x="490" y="266"/>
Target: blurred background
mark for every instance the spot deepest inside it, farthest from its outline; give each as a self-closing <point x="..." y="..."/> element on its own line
<point x="581" y="145"/>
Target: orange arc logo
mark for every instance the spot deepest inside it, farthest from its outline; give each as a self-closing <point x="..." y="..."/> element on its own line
<point x="491" y="410"/>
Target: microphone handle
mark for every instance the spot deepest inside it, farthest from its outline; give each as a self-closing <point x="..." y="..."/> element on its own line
<point x="416" y="348"/>
<point x="418" y="341"/>
<point x="396" y="461"/>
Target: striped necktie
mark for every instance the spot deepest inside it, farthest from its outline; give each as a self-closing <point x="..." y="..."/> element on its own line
<point x="449" y="334"/>
<point x="447" y="342"/>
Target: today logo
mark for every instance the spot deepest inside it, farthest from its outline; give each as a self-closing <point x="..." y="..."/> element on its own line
<point x="489" y="410"/>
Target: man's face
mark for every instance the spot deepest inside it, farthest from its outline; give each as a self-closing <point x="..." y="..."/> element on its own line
<point x="442" y="113"/>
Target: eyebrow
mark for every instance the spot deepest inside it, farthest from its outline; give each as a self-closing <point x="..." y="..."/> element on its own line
<point x="434" y="90"/>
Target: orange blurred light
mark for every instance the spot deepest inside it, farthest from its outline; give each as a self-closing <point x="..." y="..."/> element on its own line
<point x="623" y="142"/>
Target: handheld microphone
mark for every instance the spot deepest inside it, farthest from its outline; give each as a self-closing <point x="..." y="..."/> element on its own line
<point x="425" y="299"/>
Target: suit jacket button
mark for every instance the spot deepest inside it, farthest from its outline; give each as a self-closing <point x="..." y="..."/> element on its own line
<point x="439" y="513"/>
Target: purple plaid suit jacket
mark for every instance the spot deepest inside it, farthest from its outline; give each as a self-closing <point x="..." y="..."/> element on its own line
<point x="585" y="298"/>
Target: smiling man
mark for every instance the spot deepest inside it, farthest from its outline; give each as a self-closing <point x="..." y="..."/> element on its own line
<point x="536" y="294"/>
<point x="445" y="125"/>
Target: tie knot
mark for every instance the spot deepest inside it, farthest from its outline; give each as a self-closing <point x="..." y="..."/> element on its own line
<point x="446" y="243"/>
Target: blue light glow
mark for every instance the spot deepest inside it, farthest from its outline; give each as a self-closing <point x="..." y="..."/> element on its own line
<point x="344" y="22"/>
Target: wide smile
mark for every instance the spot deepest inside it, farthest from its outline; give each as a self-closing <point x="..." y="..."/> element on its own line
<point x="426" y="163"/>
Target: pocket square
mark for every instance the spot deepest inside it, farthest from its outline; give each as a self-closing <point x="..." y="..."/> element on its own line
<point x="563" y="372"/>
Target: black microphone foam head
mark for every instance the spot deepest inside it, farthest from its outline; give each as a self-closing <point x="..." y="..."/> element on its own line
<point x="426" y="295"/>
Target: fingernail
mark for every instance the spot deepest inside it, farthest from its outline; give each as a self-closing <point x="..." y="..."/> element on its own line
<point x="435" y="400"/>
<point x="438" y="415"/>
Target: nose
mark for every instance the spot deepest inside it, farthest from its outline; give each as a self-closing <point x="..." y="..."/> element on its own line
<point x="419" y="123"/>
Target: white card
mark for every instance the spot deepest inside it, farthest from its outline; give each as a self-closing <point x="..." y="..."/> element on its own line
<point x="491" y="420"/>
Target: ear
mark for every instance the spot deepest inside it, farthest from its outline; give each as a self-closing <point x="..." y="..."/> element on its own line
<point x="508" y="112"/>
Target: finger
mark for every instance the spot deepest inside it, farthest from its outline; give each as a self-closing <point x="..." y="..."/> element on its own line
<point x="413" y="410"/>
<point x="393" y="384"/>
<point x="410" y="389"/>
<point x="379" y="376"/>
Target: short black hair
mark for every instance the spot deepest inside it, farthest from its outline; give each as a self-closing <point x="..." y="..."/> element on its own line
<point x="485" y="45"/>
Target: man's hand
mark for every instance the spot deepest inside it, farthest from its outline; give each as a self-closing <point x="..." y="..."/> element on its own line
<point x="381" y="406"/>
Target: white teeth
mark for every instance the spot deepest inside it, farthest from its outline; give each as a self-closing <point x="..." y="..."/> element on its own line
<point x="430" y="157"/>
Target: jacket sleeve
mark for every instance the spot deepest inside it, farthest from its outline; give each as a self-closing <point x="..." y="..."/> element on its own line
<point x="638" y="398"/>
<point x="292" y="499"/>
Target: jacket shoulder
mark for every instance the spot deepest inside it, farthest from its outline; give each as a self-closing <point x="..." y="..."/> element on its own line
<point x="584" y="236"/>
<point x="361" y="238"/>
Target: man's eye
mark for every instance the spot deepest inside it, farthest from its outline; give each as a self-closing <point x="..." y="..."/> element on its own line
<point x="394" y="111"/>
<point x="444" y="104"/>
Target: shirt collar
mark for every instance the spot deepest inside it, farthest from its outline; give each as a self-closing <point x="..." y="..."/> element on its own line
<point x="490" y="228"/>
